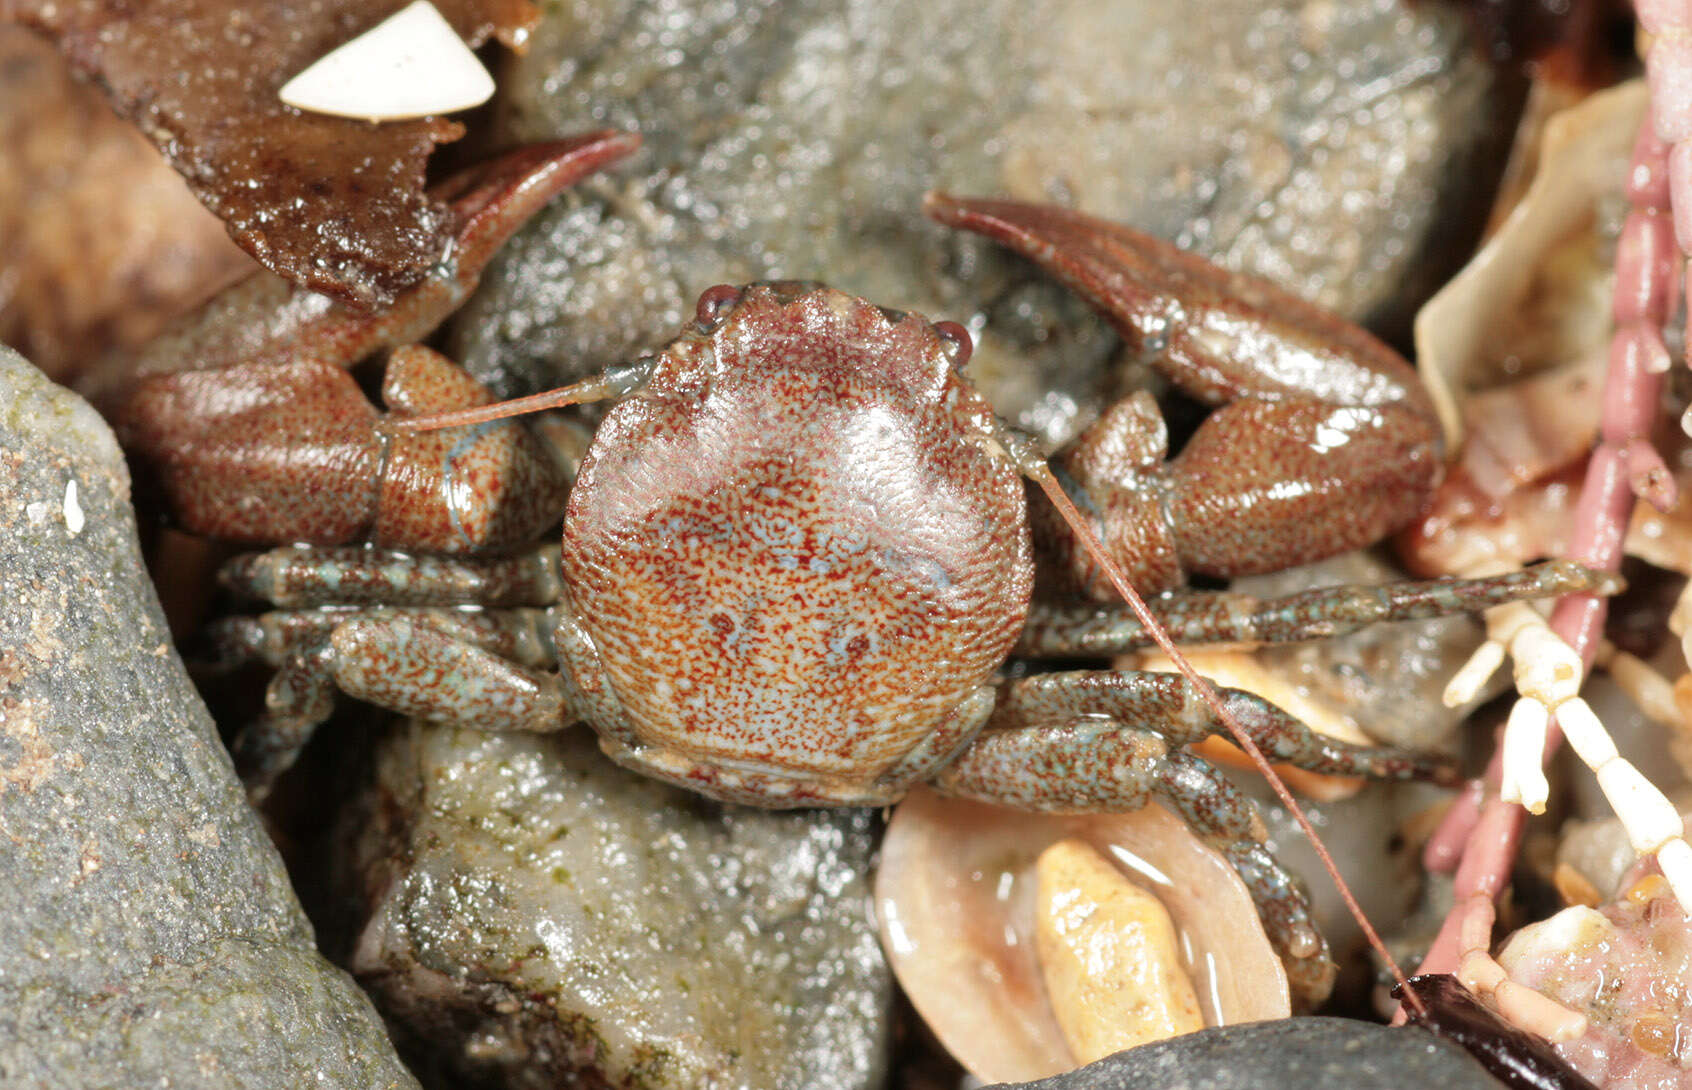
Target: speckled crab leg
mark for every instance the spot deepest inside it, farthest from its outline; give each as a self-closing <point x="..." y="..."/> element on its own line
<point x="1086" y="741"/>
<point x="1059" y="629"/>
<point x="522" y="635"/>
<point x="459" y="668"/>
<point x="298" y="577"/>
<point x="265" y="319"/>
<point x="1166" y="702"/>
<point x="1481" y="834"/>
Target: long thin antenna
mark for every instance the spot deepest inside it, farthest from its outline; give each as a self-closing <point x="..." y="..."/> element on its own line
<point x="613" y="382"/>
<point x="1037" y="469"/>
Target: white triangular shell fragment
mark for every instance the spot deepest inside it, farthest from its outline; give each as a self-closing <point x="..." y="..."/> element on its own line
<point x="410" y="65"/>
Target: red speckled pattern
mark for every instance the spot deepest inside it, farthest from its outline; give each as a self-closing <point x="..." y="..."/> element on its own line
<point x="275" y="452"/>
<point x="460" y="490"/>
<point x="1270" y="484"/>
<point x="797" y="549"/>
<point x="291" y="452"/>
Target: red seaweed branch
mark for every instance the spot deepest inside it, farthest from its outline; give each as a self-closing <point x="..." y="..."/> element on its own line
<point x="1481" y="835"/>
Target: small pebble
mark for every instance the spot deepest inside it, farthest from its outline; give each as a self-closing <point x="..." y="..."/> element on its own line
<point x="1110" y="956"/>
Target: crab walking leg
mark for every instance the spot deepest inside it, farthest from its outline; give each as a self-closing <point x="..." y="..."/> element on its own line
<point x="1623" y="466"/>
<point x="1168" y="704"/>
<point x="1036" y="759"/>
<point x="417" y="670"/>
<point x="297" y="700"/>
<point x="426" y="663"/>
<point x="522" y="635"/>
<point x="1058" y="629"/>
<point x="298" y="577"/>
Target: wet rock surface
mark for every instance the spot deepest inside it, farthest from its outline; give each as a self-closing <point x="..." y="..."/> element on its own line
<point x="537" y="915"/>
<point x="1325" y="146"/>
<point x="148" y="935"/>
<point x="1295" y="1052"/>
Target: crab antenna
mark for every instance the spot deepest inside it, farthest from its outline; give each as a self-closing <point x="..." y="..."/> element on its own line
<point x="1035" y="468"/>
<point x="613" y="382"/>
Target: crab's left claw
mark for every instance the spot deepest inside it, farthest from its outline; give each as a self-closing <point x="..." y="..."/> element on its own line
<point x="493" y="199"/>
<point x="1322" y="439"/>
<point x="266" y="320"/>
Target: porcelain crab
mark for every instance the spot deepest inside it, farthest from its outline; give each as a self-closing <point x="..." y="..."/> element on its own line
<point x="798" y="551"/>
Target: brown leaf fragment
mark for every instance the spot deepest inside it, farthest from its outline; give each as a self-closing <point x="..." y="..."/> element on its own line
<point x="333" y="204"/>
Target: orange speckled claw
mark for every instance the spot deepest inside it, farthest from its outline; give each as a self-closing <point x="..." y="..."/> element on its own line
<point x="270" y="452"/>
<point x="294" y="451"/>
<point x="1323" y="441"/>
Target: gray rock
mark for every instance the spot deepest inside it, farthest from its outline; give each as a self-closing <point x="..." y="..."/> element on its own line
<point x="1327" y="146"/>
<point x="1295" y="1052"/>
<point x="148" y="935"/>
<point x="538" y="915"/>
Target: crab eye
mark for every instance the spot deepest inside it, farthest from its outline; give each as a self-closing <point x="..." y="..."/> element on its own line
<point x="955" y="342"/>
<point x="715" y="304"/>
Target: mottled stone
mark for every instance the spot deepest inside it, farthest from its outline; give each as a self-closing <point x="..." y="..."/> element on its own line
<point x="1326" y="146"/>
<point x="1294" y="1052"/>
<point x="148" y="935"/>
<point x="538" y="915"/>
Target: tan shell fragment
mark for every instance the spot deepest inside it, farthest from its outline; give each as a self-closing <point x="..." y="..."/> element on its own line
<point x="956" y="895"/>
<point x="1110" y="956"/>
<point x="1530" y="297"/>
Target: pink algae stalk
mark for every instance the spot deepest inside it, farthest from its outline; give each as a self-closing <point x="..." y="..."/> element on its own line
<point x="1481" y="834"/>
